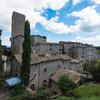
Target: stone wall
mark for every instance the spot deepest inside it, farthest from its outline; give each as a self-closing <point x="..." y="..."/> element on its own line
<point x="18" y="21"/>
<point x="41" y="73"/>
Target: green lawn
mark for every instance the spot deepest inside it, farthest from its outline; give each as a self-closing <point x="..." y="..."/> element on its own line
<point x="87" y="90"/>
<point x="83" y="98"/>
<point x="90" y="98"/>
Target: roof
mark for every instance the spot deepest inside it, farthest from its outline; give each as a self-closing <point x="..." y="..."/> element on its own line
<point x="47" y="43"/>
<point x="18" y="14"/>
<point x="39" y="58"/>
<point x="53" y="43"/>
<point x="38" y="36"/>
<point x="13" y="81"/>
<point x="72" y="75"/>
<point x="70" y="42"/>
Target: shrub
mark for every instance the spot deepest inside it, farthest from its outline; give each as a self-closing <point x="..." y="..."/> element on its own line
<point x="93" y="67"/>
<point x="65" y="84"/>
<point x="42" y="94"/>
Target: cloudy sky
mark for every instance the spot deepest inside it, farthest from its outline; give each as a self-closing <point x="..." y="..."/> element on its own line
<point x="59" y="20"/>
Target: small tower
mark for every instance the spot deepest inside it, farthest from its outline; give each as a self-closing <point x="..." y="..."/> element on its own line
<point x="17" y="38"/>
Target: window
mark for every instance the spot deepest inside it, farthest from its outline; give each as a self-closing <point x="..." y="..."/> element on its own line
<point x="63" y="62"/>
<point x="36" y="65"/>
<point x="44" y="81"/>
<point x="82" y="56"/>
<point x="50" y="49"/>
<point x="58" y="66"/>
<point x="45" y="70"/>
<point x="35" y="74"/>
<point x="32" y="86"/>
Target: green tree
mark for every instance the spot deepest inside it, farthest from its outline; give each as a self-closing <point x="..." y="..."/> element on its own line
<point x="65" y="84"/>
<point x="26" y="55"/>
<point x="93" y="67"/>
<point x="98" y="49"/>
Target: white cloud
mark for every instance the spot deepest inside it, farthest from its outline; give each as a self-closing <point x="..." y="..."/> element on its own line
<point x="89" y="20"/>
<point x="27" y="7"/>
<point x="95" y="40"/>
<point x="75" y="2"/>
<point x="96" y="1"/>
<point x="86" y="22"/>
<point x="6" y="41"/>
<point x="54" y="26"/>
<point x="56" y="4"/>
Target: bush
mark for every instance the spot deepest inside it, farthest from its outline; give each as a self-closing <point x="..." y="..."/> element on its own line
<point x="65" y="84"/>
<point x="93" y="68"/>
<point x="19" y="93"/>
<point x="19" y="90"/>
<point x="42" y="94"/>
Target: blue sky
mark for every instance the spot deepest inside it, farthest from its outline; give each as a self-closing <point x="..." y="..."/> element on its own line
<point x="59" y="20"/>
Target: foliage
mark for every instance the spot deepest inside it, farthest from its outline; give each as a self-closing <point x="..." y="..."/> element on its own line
<point x="93" y="67"/>
<point x="18" y="90"/>
<point x="98" y="49"/>
<point x="82" y="98"/>
<point x="42" y="94"/>
<point x="65" y="84"/>
<point x="26" y="55"/>
<point x="62" y="98"/>
<point x="90" y="98"/>
<point x="87" y="90"/>
<point x="18" y="93"/>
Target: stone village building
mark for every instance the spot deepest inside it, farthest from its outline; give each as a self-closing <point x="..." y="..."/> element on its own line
<point x="72" y="75"/>
<point x="42" y="67"/>
<point x="39" y="44"/>
<point x="46" y="58"/>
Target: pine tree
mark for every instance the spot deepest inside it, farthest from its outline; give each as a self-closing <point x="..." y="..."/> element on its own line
<point x="26" y="55"/>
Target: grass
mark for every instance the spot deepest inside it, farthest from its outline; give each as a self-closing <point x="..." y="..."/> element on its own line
<point x="90" y="98"/>
<point x="18" y="92"/>
<point x="87" y="90"/>
<point x="62" y="98"/>
<point x="82" y="98"/>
